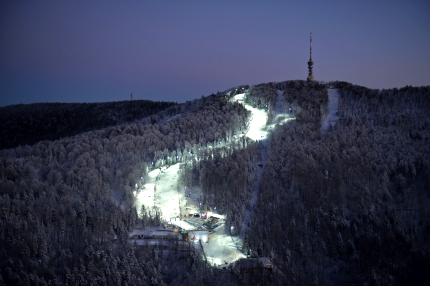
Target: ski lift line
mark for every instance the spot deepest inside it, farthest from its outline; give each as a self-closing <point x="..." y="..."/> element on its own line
<point x="236" y="245"/>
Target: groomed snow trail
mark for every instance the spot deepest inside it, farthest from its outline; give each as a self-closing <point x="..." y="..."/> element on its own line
<point x="161" y="190"/>
<point x="278" y="107"/>
<point x="257" y="129"/>
<point x="333" y="105"/>
<point x="277" y="114"/>
<point x="256" y="190"/>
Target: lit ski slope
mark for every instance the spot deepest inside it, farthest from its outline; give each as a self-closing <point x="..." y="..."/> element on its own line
<point x="161" y="192"/>
<point x="165" y="196"/>
<point x="257" y="129"/>
<point x="220" y="247"/>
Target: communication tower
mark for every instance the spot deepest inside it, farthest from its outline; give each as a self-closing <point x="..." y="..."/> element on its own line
<point x="310" y="65"/>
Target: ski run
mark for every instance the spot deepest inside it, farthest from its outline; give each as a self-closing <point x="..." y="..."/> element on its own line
<point x="180" y="207"/>
<point x="333" y="106"/>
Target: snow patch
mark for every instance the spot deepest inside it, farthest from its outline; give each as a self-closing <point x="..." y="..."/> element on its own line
<point x="333" y="106"/>
<point x="171" y="118"/>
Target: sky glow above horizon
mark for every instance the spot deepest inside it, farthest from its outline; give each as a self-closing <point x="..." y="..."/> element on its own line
<point x="95" y="51"/>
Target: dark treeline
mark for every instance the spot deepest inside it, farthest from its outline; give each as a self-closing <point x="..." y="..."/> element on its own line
<point x="27" y="124"/>
<point x="63" y="202"/>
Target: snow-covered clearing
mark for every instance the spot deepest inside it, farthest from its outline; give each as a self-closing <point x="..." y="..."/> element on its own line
<point x="173" y="202"/>
<point x="333" y="105"/>
<point x="220" y="248"/>
<point x="161" y="191"/>
<point x="257" y="129"/>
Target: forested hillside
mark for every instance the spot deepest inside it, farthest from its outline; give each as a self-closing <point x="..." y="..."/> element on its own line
<point x="346" y="206"/>
<point x="350" y="206"/>
<point x="27" y="124"/>
<point x="59" y="219"/>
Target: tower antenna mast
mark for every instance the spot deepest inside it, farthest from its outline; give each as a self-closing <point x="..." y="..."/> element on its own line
<point x="310" y="65"/>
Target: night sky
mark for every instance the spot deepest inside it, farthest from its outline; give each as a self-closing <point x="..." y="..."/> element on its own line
<point x="94" y="51"/>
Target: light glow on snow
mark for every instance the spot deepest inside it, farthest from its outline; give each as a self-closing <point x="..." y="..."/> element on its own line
<point x="161" y="190"/>
<point x="257" y="124"/>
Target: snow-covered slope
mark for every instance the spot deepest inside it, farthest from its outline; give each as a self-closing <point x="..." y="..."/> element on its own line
<point x="257" y="129"/>
<point x="161" y="190"/>
<point x="333" y="105"/>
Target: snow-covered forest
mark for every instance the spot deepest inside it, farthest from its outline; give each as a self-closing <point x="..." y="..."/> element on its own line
<point x="27" y="124"/>
<point x="347" y="205"/>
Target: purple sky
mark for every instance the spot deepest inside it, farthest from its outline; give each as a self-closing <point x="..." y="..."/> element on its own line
<point x="92" y="51"/>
